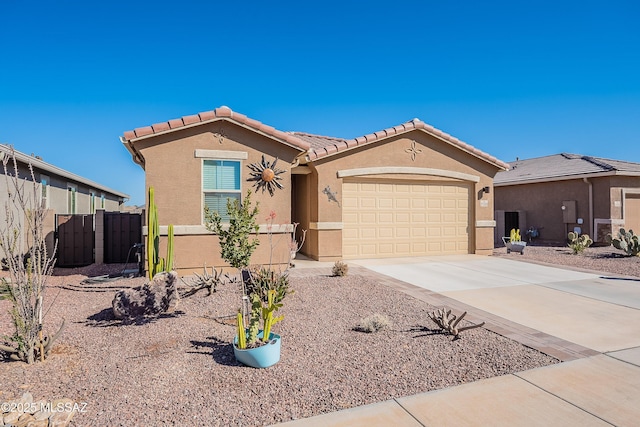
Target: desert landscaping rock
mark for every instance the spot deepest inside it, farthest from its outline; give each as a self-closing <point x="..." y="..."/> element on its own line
<point x="24" y="412"/>
<point x="181" y="370"/>
<point x="160" y="295"/>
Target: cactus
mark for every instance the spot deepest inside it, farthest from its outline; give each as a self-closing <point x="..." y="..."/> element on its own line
<point x="514" y="236"/>
<point x="626" y="241"/>
<point x="242" y="335"/>
<point x="155" y="264"/>
<point x="254" y="321"/>
<point x="153" y="238"/>
<point x="578" y="243"/>
<point x="169" y="262"/>
<point x="267" y="315"/>
<point x="249" y="337"/>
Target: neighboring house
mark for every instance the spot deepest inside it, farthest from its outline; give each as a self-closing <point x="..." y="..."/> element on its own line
<point x="62" y="192"/>
<point x="409" y="190"/>
<point x="559" y="193"/>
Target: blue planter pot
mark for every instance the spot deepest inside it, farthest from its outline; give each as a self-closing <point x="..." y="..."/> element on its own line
<point x="260" y="357"/>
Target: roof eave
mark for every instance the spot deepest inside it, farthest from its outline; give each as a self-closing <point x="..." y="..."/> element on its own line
<point x="135" y="154"/>
<point x="566" y="178"/>
<point x="47" y="167"/>
<point x="302" y="146"/>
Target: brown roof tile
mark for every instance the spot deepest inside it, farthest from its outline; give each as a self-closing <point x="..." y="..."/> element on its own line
<point x="147" y="130"/>
<point x="160" y="127"/>
<point x="174" y="124"/>
<point x="207" y="115"/>
<point x="188" y="120"/>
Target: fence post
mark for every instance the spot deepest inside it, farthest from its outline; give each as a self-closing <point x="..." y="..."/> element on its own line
<point x="99" y="240"/>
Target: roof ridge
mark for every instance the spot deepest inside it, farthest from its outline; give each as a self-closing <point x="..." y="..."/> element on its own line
<point x="293" y="132"/>
<point x="222" y="112"/>
<point x="598" y="163"/>
<point x="408" y="126"/>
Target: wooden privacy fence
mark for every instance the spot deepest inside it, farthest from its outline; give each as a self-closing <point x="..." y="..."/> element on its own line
<point x="107" y="237"/>
<point x="75" y="240"/>
<point x="122" y="230"/>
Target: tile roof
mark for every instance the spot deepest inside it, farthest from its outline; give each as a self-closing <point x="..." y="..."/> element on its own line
<point x="209" y="116"/>
<point x="316" y="146"/>
<point x="563" y="166"/>
<point x="322" y="146"/>
<point x="41" y="165"/>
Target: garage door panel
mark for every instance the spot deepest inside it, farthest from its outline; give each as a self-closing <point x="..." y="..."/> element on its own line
<point x="386" y="249"/>
<point x="418" y="217"/>
<point x="385" y="233"/>
<point x="367" y="202"/>
<point x="385" y="203"/>
<point x="403" y="218"/>
<point x="387" y="219"/>
<point x="367" y="218"/>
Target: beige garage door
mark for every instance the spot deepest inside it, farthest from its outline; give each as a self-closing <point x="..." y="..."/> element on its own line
<point x="398" y="218"/>
<point x="632" y="213"/>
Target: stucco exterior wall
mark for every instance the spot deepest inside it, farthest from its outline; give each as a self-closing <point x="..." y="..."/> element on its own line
<point x="430" y="153"/>
<point x="543" y="201"/>
<point x="175" y="172"/>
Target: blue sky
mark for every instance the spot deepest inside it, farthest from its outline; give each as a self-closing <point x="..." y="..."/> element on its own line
<point x="514" y="79"/>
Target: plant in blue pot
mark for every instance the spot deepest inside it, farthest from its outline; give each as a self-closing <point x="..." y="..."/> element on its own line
<point x="258" y="346"/>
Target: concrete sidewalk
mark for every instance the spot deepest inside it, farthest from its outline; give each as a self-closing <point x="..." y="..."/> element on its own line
<point x="590" y="321"/>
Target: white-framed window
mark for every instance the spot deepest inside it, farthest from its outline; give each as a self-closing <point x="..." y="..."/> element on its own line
<point x="102" y="201"/>
<point x="45" y="183"/>
<point x="72" y="198"/>
<point x="92" y="202"/>
<point x="220" y="181"/>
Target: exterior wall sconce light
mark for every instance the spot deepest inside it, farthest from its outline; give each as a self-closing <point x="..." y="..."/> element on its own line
<point x="486" y="190"/>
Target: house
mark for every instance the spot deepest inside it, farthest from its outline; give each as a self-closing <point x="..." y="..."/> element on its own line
<point x="408" y="190"/>
<point x="566" y="192"/>
<point x="62" y="192"/>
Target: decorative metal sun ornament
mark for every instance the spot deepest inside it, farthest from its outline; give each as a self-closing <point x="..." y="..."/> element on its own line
<point x="266" y="176"/>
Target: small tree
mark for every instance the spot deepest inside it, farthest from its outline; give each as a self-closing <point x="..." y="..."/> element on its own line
<point x="22" y="241"/>
<point x="235" y="243"/>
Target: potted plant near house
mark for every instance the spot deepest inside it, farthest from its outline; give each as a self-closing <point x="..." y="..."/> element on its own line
<point x="514" y="242"/>
<point x="254" y="344"/>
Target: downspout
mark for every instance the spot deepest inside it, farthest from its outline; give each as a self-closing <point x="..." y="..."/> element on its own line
<point x="591" y="221"/>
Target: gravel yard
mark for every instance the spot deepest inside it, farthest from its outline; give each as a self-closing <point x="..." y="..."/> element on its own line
<point x="601" y="258"/>
<point x="180" y="369"/>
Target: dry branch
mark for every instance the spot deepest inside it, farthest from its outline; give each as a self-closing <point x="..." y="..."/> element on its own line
<point x="449" y="322"/>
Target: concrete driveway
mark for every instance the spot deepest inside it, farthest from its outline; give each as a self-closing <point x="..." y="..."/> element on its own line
<point x="599" y="312"/>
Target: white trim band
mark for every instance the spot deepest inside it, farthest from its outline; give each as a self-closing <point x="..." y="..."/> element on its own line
<point x="326" y="226"/>
<point x="195" y="230"/>
<point x="486" y="223"/>
<point x="407" y="170"/>
<point x="221" y="154"/>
